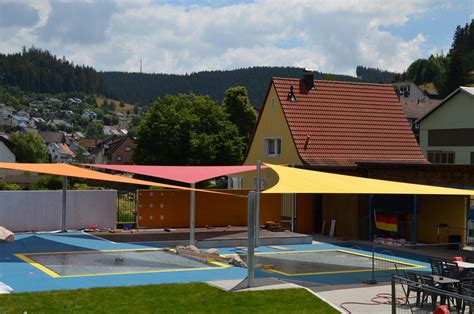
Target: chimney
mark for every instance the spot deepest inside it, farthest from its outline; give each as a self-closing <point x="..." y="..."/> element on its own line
<point x="308" y="78"/>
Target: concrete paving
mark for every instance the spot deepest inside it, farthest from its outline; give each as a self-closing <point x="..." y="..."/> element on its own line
<point x="342" y="298"/>
<point x="259" y="284"/>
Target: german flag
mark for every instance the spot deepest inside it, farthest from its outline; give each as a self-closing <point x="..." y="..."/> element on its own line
<point x="388" y="223"/>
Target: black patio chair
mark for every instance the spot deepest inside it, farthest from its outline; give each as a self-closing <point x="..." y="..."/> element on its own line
<point x="466" y="273"/>
<point x="451" y="269"/>
<point x="436" y="266"/>
<point x="467" y="290"/>
<point x="428" y="281"/>
<point x="454" y="302"/>
<point x="413" y="287"/>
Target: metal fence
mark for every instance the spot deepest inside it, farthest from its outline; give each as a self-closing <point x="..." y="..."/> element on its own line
<point x="390" y="259"/>
<point x="126" y="208"/>
<point x="408" y="296"/>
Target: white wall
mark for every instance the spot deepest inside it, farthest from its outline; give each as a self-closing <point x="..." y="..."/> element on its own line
<point x="6" y="154"/>
<point x="41" y="210"/>
<point x="456" y="113"/>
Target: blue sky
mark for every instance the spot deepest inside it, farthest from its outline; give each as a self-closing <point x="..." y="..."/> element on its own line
<point x="187" y="36"/>
<point x="438" y="23"/>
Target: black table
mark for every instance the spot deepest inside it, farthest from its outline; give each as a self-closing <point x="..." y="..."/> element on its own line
<point x="443" y="282"/>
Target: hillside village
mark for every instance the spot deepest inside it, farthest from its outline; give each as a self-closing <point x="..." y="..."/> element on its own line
<point x="90" y="130"/>
<point x="74" y="129"/>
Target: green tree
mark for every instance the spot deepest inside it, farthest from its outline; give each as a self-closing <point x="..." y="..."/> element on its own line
<point x="95" y="130"/>
<point x="29" y="148"/>
<point x="80" y="153"/>
<point x="4" y="186"/>
<point x="329" y="77"/>
<point x="48" y="182"/>
<point x="241" y="113"/>
<point x="187" y="130"/>
<point x="455" y="75"/>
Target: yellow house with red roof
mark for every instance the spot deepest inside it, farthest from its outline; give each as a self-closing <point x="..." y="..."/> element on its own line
<point x="351" y="128"/>
<point x="330" y="125"/>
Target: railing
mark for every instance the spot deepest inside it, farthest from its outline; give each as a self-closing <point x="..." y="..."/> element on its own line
<point x="414" y="297"/>
<point x="126" y="208"/>
<point x="389" y="259"/>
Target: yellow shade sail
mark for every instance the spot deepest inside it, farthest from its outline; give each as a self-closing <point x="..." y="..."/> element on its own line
<point x="67" y="170"/>
<point x="294" y="180"/>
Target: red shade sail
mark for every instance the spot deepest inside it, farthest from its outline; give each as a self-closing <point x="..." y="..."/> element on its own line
<point x="61" y="169"/>
<point x="188" y="174"/>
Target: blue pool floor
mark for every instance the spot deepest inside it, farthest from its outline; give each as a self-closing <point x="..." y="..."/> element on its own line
<point x="25" y="277"/>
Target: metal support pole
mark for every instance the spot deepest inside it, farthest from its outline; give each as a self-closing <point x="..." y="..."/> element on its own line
<point x="192" y="216"/>
<point x="257" y="204"/>
<point x="251" y="239"/>
<point x="468" y="207"/>
<point x="415" y="208"/>
<point x="372" y="280"/>
<point x="394" y="297"/>
<point x="371" y="214"/>
<point x="63" y="212"/>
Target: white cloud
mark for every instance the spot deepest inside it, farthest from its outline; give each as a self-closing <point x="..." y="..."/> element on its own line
<point x="332" y="36"/>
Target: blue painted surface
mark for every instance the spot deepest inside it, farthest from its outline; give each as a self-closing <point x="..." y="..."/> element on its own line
<point x="23" y="277"/>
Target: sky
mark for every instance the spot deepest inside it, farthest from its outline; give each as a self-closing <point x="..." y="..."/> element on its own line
<point x="189" y="36"/>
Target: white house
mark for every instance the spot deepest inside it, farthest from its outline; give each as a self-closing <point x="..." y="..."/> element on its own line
<point x="6" y="150"/>
<point x="447" y="131"/>
<point x="123" y="123"/>
<point x="60" y="152"/>
<point x="74" y="101"/>
<point x="59" y="122"/>
<point x="5" y="111"/>
<point x="114" y="130"/>
<point x="19" y="121"/>
<point x="66" y="112"/>
<point x="90" y="115"/>
<point x="38" y="120"/>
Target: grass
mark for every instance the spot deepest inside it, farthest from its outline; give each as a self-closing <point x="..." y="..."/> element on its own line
<point x="174" y="298"/>
<point x="127" y="106"/>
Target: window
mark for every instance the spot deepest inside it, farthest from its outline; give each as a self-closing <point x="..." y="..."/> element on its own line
<point x="404" y="91"/>
<point x="119" y="157"/>
<point x="234" y="183"/>
<point x="440" y="157"/>
<point x="128" y="149"/>
<point x="272" y="147"/>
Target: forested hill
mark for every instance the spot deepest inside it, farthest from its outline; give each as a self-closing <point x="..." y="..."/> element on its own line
<point x="142" y="88"/>
<point x="38" y="71"/>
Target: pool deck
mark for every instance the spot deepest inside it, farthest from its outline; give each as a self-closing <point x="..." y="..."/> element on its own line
<point x="206" y="238"/>
<point x="25" y="277"/>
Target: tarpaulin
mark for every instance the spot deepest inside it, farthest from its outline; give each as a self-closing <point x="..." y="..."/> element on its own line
<point x="61" y="169"/>
<point x="294" y="180"/>
<point x="188" y="174"/>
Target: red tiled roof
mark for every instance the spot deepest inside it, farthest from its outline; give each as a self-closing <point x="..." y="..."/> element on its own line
<point x="347" y="123"/>
<point x="66" y="149"/>
<point x="88" y="142"/>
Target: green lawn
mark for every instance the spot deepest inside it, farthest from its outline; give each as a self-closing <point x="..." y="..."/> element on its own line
<point x="175" y="298"/>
